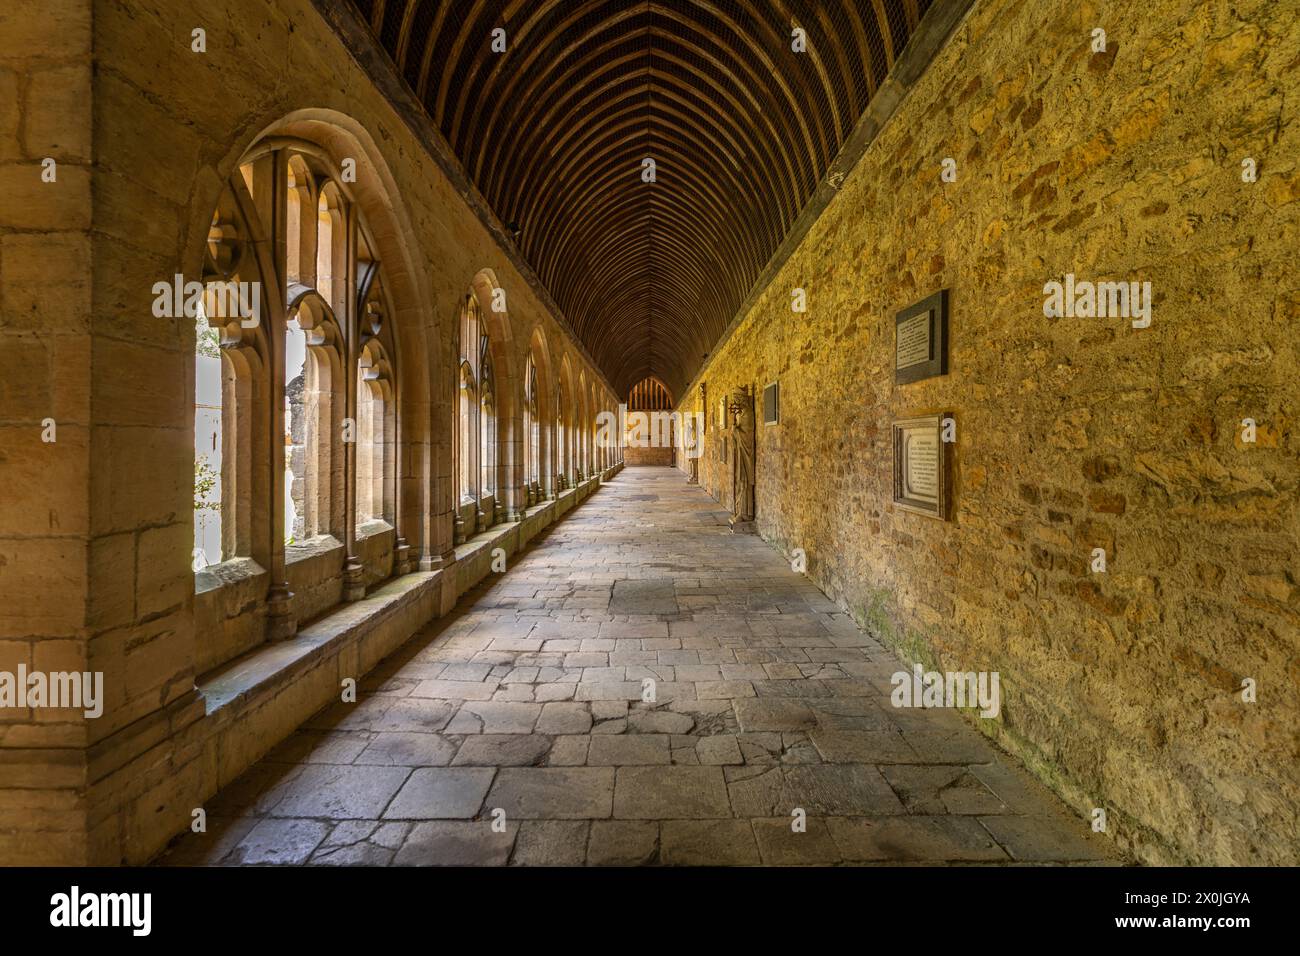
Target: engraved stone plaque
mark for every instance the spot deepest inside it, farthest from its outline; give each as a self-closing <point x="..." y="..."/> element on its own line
<point x="914" y="340"/>
<point x="921" y="339"/>
<point x="920" y="466"/>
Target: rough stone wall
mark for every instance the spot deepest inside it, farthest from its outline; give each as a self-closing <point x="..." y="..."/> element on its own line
<point x="96" y="530"/>
<point x="1122" y="690"/>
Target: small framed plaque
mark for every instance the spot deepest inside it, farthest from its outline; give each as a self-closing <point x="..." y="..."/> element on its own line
<point x="921" y="466"/>
<point x="921" y="339"/>
<point x="772" y="404"/>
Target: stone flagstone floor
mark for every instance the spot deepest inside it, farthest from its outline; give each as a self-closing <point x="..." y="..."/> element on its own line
<point x="524" y="706"/>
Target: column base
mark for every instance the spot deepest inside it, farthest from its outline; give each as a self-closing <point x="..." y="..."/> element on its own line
<point x="354" y="580"/>
<point x="436" y="562"/>
<point x="280" y="622"/>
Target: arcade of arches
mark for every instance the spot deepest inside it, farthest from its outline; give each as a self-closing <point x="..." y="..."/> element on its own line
<point x="329" y="327"/>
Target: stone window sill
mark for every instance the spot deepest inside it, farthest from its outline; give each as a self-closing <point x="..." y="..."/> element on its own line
<point x="368" y="529"/>
<point x="311" y="548"/>
<point x="228" y="572"/>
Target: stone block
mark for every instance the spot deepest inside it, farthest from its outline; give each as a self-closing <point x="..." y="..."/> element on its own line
<point x="163" y="579"/>
<point x="46" y="28"/>
<point x="57" y="113"/>
<point x="33" y="205"/>
<point x="45" y="282"/>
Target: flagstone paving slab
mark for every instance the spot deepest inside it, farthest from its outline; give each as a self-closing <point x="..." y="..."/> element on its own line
<point x="662" y="793"/>
<point x="439" y="793"/>
<point x="340" y="793"/>
<point x="914" y="838"/>
<point x="708" y="843"/>
<point x="551" y="843"/>
<point x="502" y="750"/>
<point x="628" y="749"/>
<point x="449" y="843"/>
<point x="623" y="843"/>
<point x="553" y="793"/>
<point x="780" y="844"/>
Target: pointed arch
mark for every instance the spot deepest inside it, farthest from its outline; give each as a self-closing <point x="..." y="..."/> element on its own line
<point x="331" y="256"/>
<point x="650" y="395"/>
<point x="564" y="422"/>
<point x="539" y="401"/>
<point x="580" y="417"/>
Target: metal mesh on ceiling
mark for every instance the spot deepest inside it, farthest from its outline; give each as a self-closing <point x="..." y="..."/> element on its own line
<point x="554" y="130"/>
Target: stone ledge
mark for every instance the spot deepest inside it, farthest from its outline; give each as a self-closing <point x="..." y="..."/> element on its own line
<point x="256" y="670"/>
<point x="474" y="557"/>
<point x="249" y="706"/>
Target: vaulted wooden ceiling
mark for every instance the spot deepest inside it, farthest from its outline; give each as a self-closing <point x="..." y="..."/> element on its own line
<point x="554" y="131"/>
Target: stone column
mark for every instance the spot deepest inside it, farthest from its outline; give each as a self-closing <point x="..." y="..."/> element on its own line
<point x="354" y="572"/>
<point x="270" y="175"/>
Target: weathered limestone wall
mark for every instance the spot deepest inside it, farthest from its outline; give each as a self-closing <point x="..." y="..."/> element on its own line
<point x="1122" y="690"/>
<point x="45" y="371"/>
<point x="96" y="529"/>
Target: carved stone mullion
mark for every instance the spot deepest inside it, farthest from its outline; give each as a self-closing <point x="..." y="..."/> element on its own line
<point x="354" y="572"/>
<point x="280" y="622"/>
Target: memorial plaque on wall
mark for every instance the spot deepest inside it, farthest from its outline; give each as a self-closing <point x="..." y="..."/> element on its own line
<point x="921" y="339"/>
<point x="921" y="466"/>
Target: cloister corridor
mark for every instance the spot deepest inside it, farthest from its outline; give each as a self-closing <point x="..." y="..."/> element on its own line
<point x="851" y="442"/>
<point x="525" y="705"/>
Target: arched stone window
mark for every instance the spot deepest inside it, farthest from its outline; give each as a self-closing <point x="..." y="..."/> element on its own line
<point x="332" y="248"/>
<point x="589" y="431"/>
<point x="229" y="364"/>
<point x="561" y="435"/>
<point x="487" y="420"/>
<point x="602" y="449"/>
<point x="476" y="426"/>
<point x="565" y="426"/>
<point x="209" y="405"/>
<point x="296" y="417"/>
<point x="466" y="434"/>
<point x="300" y="223"/>
<point x="314" y="358"/>
<point x="539" y="432"/>
<point x="582" y="429"/>
<point x="532" y="433"/>
<point x="375" y="433"/>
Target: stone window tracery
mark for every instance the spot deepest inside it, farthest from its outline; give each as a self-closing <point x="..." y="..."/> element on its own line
<point x="296" y="399"/>
<point x="476" y="424"/>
